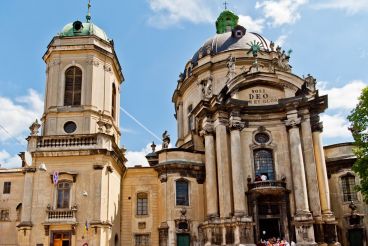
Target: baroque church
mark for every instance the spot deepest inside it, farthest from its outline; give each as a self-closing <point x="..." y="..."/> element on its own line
<point x="248" y="164"/>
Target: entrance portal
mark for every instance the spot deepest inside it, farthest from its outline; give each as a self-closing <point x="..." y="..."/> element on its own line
<point x="269" y="228"/>
<point x="61" y="239"/>
<point x="356" y="237"/>
<point x="183" y="240"/>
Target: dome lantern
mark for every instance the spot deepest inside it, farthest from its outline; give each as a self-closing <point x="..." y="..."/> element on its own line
<point x="226" y="22"/>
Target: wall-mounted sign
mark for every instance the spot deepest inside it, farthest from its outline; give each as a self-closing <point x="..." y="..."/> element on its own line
<point x="260" y="95"/>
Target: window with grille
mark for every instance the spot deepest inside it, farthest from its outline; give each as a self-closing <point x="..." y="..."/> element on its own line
<point x="348" y="185"/>
<point x="263" y="163"/>
<point x="182" y="192"/>
<point x="113" y="102"/>
<point x="7" y="186"/>
<point x="142" y="204"/>
<point x="73" y="86"/>
<point x="142" y="240"/>
<point x="63" y="195"/>
<point x="4" y="215"/>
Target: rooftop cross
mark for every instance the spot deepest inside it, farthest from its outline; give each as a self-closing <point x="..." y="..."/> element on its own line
<point x="88" y="16"/>
<point x="225" y="5"/>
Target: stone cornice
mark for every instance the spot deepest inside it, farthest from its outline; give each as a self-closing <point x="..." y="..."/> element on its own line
<point x="184" y="168"/>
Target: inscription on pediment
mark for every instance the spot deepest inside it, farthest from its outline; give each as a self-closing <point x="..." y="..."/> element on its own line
<point x="260" y="95"/>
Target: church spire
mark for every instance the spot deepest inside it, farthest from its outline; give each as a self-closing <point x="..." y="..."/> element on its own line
<point x="88" y="16"/>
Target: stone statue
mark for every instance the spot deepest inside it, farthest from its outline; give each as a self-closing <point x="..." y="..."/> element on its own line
<point x="231" y="67"/>
<point x="165" y="140"/>
<point x="206" y="85"/>
<point x="310" y="83"/>
<point x="34" y="128"/>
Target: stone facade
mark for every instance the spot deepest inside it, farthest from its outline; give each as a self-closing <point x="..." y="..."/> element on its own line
<point x="248" y="165"/>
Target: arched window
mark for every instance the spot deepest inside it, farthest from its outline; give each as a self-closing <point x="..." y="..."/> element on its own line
<point x="263" y="163"/>
<point x="348" y="184"/>
<point x="116" y="239"/>
<point x="190" y="118"/>
<point x="63" y="194"/>
<point x="142" y="204"/>
<point x="182" y="192"/>
<point x="18" y="209"/>
<point x="73" y="86"/>
<point x="113" y="102"/>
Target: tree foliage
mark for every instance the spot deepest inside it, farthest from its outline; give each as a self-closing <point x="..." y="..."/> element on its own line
<point x="359" y="128"/>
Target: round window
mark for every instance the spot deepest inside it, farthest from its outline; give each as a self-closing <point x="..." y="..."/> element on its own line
<point x="70" y="127"/>
<point x="262" y="138"/>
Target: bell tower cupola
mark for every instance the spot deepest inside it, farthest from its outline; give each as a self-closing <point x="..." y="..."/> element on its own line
<point x="83" y="79"/>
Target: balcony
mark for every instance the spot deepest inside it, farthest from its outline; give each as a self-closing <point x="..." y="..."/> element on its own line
<point x="67" y="216"/>
<point x="268" y="187"/>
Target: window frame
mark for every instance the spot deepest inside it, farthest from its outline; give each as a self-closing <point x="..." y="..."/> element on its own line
<point x="140" y="207"/>
<point x="187" y="201"/>
<point x="113" y="101"/>
<point x="4" y="214"/>
<point x="64" y="206"/>
<point x="7" y="187"/>
<point x="74" y="93"/>
<point x="148" y="237"/>
<point x="347" y="188"/>
<point x="190" y="118"/>
<point x="271" y="173"/>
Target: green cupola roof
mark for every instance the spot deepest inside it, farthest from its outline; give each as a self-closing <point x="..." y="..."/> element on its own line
<point x="226" y="22"/>
<point x="77" y="28"/>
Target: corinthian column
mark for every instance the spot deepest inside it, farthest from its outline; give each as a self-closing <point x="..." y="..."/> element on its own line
<point x="211" y="178"/>
<point x="223" y="165"/>
<point x="303" y="218"/>
<point x="236" y="163"/>
<point x="310" y="166"/>
<point x="297" y="164"/>
<point x="324" y="190"/>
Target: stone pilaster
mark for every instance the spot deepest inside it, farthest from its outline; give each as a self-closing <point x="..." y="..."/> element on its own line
<point x="223" y="165"/>
<point x="211" y="177"/>
<point x="310" y="167"/>
<point x="303" y="220"/>
<point x="25" y="226"/>
<point x="236" y="125"/>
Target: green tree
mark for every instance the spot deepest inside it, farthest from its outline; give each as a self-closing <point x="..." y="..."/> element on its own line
<point x="359" y="128"/>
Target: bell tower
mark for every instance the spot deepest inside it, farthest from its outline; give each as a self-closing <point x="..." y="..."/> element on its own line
<point x="73" y="169"/>
<point x="83" y="78"/>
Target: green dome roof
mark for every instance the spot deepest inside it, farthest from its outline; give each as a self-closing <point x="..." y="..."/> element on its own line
<point x="78" y="28"/>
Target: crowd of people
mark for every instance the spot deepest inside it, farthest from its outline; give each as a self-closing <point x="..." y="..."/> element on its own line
<point x="275" y="242"/>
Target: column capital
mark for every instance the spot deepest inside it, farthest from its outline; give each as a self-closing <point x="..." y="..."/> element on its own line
<point x="293" y="122"/>
<point x="207" y="127"/>
<point x="235" y="123"/>
<point x="316" y="124"/>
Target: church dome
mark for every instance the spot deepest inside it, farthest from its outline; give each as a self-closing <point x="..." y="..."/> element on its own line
<point x="230" y="36"/>
<point x="77" y="28"/>
<point x="238" y="39"/>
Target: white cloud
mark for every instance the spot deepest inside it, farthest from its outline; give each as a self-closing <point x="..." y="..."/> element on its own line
<point x="345" y="97"/>
<point x="335" y="126"/>
<point x="281" y="11"/>
<point x="170" y="12"/>
<point x="139" y="157"/>
<point x="280" y="40"/>
<point x="251" y="24"/>
<point x="9" y="161"/>
<point x="349" y="6"/>
<point x="18" y="114"/>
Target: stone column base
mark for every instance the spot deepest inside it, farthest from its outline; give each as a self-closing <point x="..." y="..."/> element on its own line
<point x="233" y="231"/>
<point x="304" y="230"/>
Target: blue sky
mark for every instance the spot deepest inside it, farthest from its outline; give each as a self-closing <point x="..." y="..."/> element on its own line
<point x="155" y="38"/>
